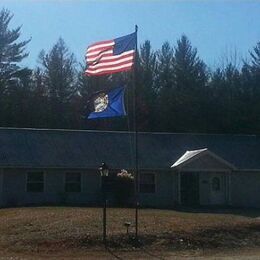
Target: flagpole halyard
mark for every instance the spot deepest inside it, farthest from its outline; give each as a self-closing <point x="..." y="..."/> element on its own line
<point x="136" y="140"/>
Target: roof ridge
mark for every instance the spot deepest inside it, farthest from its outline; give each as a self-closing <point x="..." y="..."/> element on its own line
<point x="124" y="132"/>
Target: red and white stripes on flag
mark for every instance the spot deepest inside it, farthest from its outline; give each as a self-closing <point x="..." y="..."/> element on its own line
<point x="108" y="57"/>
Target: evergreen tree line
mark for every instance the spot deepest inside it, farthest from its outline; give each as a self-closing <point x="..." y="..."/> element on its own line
<point x="176" y="90"/>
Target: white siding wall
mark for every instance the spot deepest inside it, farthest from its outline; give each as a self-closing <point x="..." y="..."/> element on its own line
<point x="245" y="189"/>
<point x="14" y="188"/>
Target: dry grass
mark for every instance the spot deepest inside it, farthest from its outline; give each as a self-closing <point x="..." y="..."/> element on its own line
<point x="58" y="229"/>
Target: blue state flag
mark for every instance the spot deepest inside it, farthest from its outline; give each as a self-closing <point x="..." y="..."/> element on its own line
<point x="108" y="104"/>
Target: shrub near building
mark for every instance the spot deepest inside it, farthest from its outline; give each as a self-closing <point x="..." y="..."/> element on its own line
<point x="124" y="188"/>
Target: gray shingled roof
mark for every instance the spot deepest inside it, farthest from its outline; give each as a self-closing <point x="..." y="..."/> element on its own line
<point x="87" y="149"/>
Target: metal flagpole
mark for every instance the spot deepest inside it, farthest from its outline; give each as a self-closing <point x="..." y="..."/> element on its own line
<point x="136" y="140"/>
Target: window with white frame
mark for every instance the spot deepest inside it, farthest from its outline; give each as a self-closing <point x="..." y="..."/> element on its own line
<point x="73" y="182"/>
<point x="147" y="183"/>
<point x="35" y="182"/>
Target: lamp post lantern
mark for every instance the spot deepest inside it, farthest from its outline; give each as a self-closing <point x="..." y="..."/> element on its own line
<point x="104" y="171"/>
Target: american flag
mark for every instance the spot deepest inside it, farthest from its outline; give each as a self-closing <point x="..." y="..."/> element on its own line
<point x="108" y="57"/>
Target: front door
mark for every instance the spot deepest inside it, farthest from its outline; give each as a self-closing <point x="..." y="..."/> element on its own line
<point x="190" y="188"/>
<point x="217" y="189"/>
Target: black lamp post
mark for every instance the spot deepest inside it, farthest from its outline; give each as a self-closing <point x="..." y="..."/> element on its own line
<point x="104" y="171"/>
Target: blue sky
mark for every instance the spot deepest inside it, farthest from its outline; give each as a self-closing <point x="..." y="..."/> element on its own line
<point x="214" y="27"/>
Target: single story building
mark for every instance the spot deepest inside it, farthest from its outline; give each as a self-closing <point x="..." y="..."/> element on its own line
<point x="42" y="166"/>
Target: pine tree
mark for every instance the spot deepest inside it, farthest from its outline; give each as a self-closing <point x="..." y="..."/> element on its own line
<point x="11" y="51"/>
<point x="189" y="80"/>
<point x="164" y="88"/>
<point x="251" y="88"/>
<point x="58" y="68"/>
<point x="14" y="80"/>
<point x="189" y="70"/>
<point x="59" y="71"/>
<point x="146" y="88"/>
<point x="255" y="56"/>
<point x="225" y="100"/>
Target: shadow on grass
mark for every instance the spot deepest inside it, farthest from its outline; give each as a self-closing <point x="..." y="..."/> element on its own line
<point x="152" y="254"/>
<point x="136" y="245"/>
<point x="113" y="253"/>
<point x="245" y="212"/>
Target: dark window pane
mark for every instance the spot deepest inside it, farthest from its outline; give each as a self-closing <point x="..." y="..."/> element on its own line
<point x="35" y="182"/>
<point x="147" y="183"/>
<point x="35" y="187"/>
<point x="73" y="182"/>
<point x="147" y="178"/>
<point x="147" y="188"/>
<point x="35" y="177"/>
<point x="72" y="177"/>
<point x="72" y="187"/>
